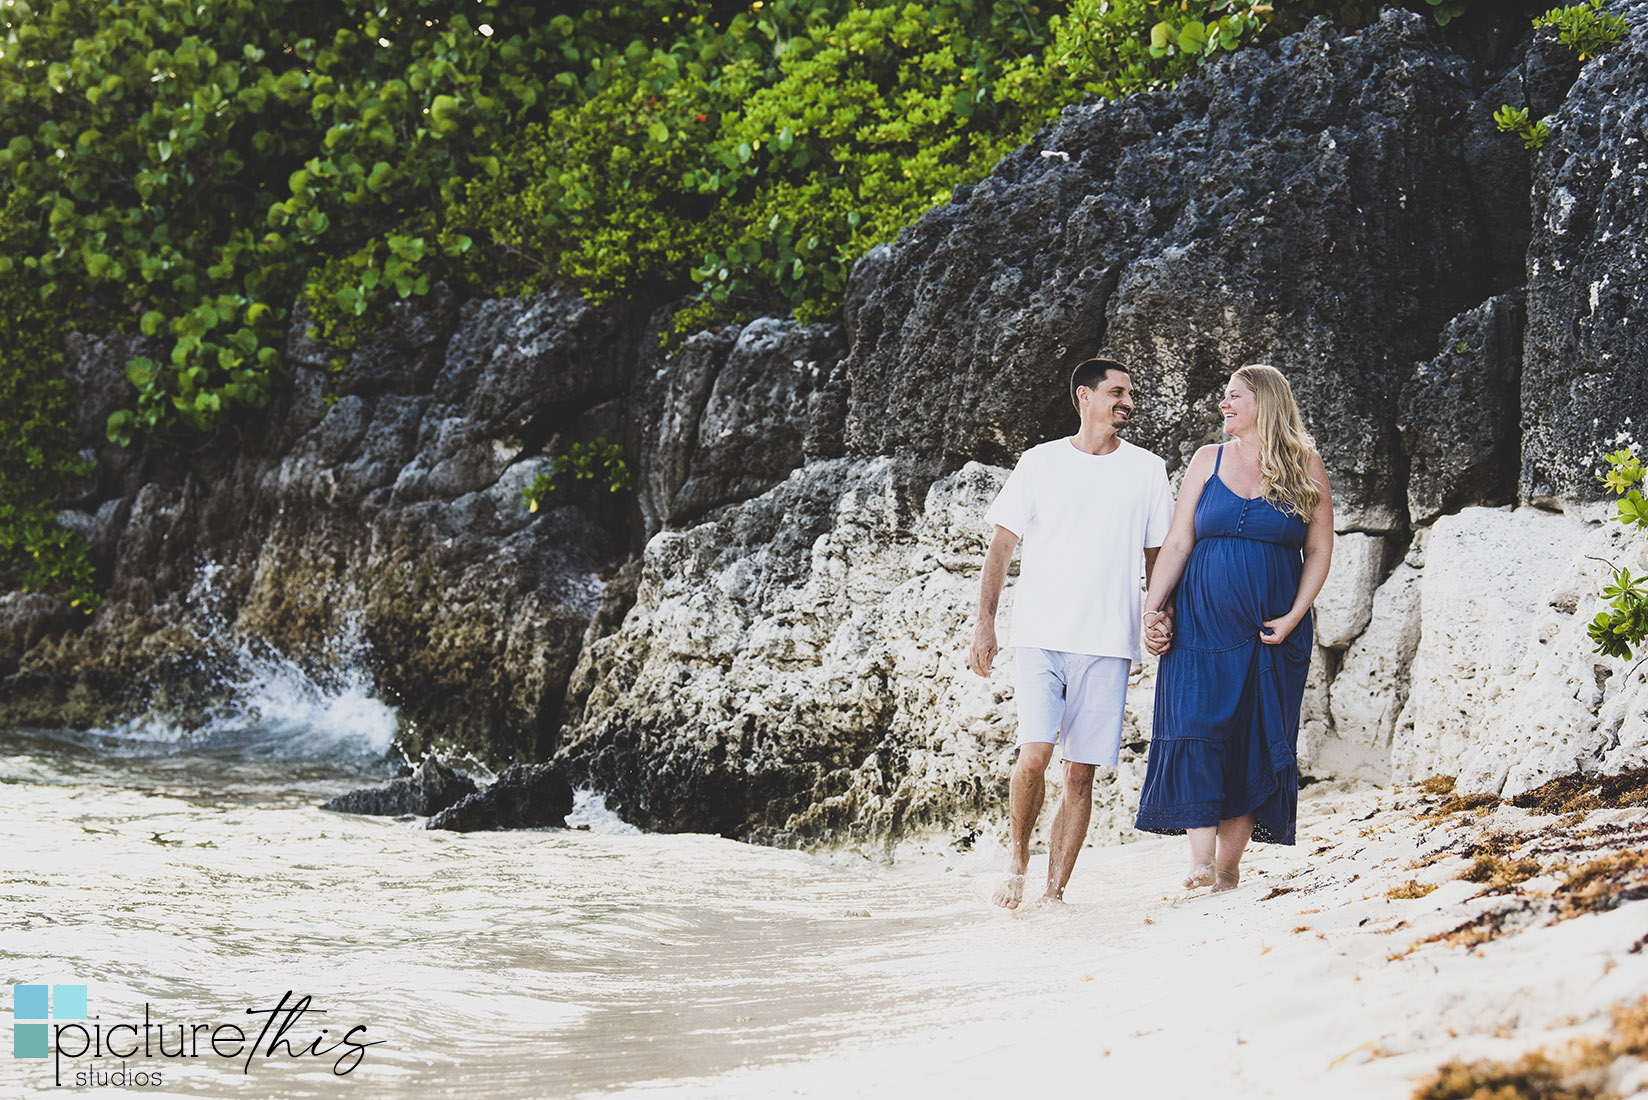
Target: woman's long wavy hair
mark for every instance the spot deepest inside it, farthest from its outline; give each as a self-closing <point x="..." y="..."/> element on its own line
<point x="1285" y="446"/>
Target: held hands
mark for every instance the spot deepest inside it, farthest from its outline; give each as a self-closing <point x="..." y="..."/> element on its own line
<point x="1158" y="631"/>
<point x="1275" y="631"/>
<point x="984" y="649"/>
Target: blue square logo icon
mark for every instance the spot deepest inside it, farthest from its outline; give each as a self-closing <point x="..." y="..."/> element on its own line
<point x="69" y="1002"/>
<point x="28" y="1041"/>
<point x="28" y="1002"/>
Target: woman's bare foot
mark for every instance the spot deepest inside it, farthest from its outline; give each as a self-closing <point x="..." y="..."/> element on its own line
<point x="1226" y="880"/>
<point x="1010" y="893"/>
<point x="1201" y="874"/>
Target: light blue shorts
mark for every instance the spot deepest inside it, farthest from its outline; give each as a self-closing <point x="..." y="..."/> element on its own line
<point x="1073" y="700"/>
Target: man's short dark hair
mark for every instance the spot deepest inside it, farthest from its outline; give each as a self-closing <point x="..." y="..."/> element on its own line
<point x="1090" y="372"/>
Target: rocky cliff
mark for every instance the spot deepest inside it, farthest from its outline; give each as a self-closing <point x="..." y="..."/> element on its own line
<point x="782" y="660"/>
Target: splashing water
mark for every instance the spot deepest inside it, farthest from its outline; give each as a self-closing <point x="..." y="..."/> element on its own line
<point x="269" y="706"/>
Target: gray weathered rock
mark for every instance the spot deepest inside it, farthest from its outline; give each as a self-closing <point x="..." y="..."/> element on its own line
<point x="1585" y="374"/>
<point x="1461" y="413"/>
<point x="1345" y="602"/>
<point x="1485" y="577"/>
<point x="431" y="788"/>
<point x="1250" y="215"/>
<point x="525" y="796"/>
<point x="392" y="515"/>
<point x="790" y="670"/>
<point x="731" y="414"/>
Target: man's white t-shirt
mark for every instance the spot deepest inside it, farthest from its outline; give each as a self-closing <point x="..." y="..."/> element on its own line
<point x="1084" y="521"/>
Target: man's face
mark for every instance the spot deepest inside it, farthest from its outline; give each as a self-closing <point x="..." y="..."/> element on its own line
<point x="1110" y="399"/>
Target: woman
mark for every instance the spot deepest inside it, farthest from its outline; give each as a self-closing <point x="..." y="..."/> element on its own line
<point x="1236" y="643"/>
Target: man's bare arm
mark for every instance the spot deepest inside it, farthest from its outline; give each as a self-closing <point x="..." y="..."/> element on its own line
<point x="994" y="578"/>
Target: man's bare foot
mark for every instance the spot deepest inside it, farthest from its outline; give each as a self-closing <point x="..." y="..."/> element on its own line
<point x="1201" y="874"/>
<point x="1054" y="896"/>
<point x="1010" y="893"/>
<point x="1226" y="880"/>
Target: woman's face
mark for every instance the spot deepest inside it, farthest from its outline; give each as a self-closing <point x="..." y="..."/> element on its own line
<point x="1240" y="407"/>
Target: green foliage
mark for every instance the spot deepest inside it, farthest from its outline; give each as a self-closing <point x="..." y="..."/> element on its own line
<point x="184" y="166"/>
<point x="192" y="168"/>
<point x="582" y="462"/>
<point x="1202" y="31"/>
<point x="1624" y="627"/>
<point x="1585" y="28"/>
<point x="1514" y="120"/>
<point x="36" y="455"/>
<point x="1446" y="11"/>
<point x="763" y="158"/>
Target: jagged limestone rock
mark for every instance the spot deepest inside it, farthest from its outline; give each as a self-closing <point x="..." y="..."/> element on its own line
<point x="1461" y="413"/>
<point x="1564" y="708"/>
<point x="1485" y="581"/>
<point x="431" y="788"/>
<point x="1372" y="683"/>
<point x="729" y="414"/>
<point x="1584" y="382"/>
<point x="525" y="796"/>
<point x="791" y="668"/>
<point x="1251" y="214"/>
<point x="1345" y="602"/>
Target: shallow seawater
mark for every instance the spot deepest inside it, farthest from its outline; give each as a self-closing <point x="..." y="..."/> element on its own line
<point x="199" y="878"/>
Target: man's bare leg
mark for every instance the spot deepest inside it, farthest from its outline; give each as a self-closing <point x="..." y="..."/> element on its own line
<point x="1069" y="827"/>
<point x="1029" y="787"/>
<point x="1234" y="834"/>
<point x="1202" y="846"/>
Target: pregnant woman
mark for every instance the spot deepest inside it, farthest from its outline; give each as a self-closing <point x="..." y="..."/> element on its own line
<point x="1248" y="551"/>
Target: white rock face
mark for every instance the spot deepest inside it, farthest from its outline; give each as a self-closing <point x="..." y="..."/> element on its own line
<point x="1488" y="573"/>
<point x="1346" y="600"/>
<point x="795" y="668"/>
<point x="1372" y="684"/>
<point x="1565" y="708"/>
<point x="1316" y="734"/>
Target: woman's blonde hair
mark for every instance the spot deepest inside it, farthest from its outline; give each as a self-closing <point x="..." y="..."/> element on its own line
<point x="1285" y="446"/>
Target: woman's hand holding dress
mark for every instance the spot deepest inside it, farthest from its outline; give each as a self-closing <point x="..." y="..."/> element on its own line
<point x="1275" y="631"/>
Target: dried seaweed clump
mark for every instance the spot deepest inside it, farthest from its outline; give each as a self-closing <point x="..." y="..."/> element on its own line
<point x="1604" y="884"/>
<point x="1442" y="787"/>
<point x="1583" y="1070"/>
<point x="1412" y="888"/>
<point x="1499" y="873"/>
<point x="1582" y="793"/>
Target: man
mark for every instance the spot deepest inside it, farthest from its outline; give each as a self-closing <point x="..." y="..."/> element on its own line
<point x="1087" y="508"/>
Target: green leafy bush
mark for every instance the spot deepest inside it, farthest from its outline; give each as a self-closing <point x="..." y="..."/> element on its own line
<point x="765" y="157"/>
<point x="1514" y="120"/>
<point x="1624" y="627"/>
<point x="600" y="457"/>
<point x="1446" y="11"/>
<point x="1585" y="28"/>
<point x="187" y="165"/>
<point x="36" y="552"/>
<point x="1204" y="30"/>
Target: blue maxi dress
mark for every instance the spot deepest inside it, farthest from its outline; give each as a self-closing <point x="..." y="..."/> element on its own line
<point x="1227" y="705"/>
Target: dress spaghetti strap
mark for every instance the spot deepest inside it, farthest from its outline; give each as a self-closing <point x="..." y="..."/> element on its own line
<point x="1218" y="457"/>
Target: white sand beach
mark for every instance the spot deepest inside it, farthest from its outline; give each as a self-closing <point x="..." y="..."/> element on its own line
<point x="1307" y="981"/>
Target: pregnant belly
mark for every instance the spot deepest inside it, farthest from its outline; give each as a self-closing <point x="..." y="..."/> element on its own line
<point x="1230" y="587"/>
